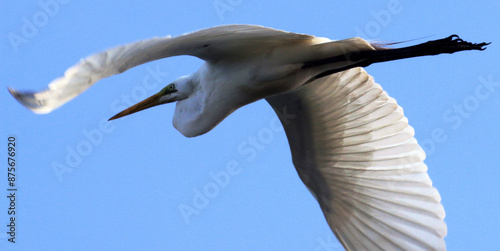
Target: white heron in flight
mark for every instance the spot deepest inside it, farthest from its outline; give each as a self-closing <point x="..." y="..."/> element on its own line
<point x="350" y="142"/>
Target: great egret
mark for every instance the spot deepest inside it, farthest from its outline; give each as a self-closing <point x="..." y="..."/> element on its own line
<point x="350" y="142"/>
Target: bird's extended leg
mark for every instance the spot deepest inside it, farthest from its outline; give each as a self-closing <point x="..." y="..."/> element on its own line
<point x="450" y="45"/>
<point x="363" y="58"/>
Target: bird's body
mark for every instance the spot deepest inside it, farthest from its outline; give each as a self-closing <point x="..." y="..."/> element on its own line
<point x="223" y="85"/>
<point x="351" y="143"/>
<point x="228" y="85"/>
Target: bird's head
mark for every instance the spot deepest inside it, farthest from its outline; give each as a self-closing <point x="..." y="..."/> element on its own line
<point x="175" y="91"/>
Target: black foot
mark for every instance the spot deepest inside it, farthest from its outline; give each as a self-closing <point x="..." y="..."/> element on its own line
<point x="454" y="43"/>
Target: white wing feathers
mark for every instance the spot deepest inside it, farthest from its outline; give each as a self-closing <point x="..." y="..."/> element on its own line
<point x="213" y="44"/>
<point x="354" y="150"/>
<point x="88" y="71"/>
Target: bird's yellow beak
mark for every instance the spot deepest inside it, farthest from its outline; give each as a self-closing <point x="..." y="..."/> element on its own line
<point x="145" y="104"/>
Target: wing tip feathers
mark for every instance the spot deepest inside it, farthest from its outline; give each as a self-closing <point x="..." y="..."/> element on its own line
<point x="28" y="100"/>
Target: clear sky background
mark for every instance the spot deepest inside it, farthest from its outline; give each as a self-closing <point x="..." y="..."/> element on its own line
<point x="124" y="182"/>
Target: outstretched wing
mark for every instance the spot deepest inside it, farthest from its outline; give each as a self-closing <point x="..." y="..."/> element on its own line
<point x="211" y="44"/>
<point x="353" y="148"/>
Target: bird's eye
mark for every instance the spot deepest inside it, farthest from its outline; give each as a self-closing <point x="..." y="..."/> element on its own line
<point x="169" y="88"/>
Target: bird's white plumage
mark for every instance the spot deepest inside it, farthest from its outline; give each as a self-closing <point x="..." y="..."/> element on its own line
<point x="351" y="143"/>
<point x="353" y="148"/>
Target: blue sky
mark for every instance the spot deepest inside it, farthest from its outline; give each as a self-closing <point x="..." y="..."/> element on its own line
<point x="124" y="181"/>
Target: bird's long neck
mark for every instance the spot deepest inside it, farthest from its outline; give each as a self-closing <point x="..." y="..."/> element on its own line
<point x="210" y="101"/>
